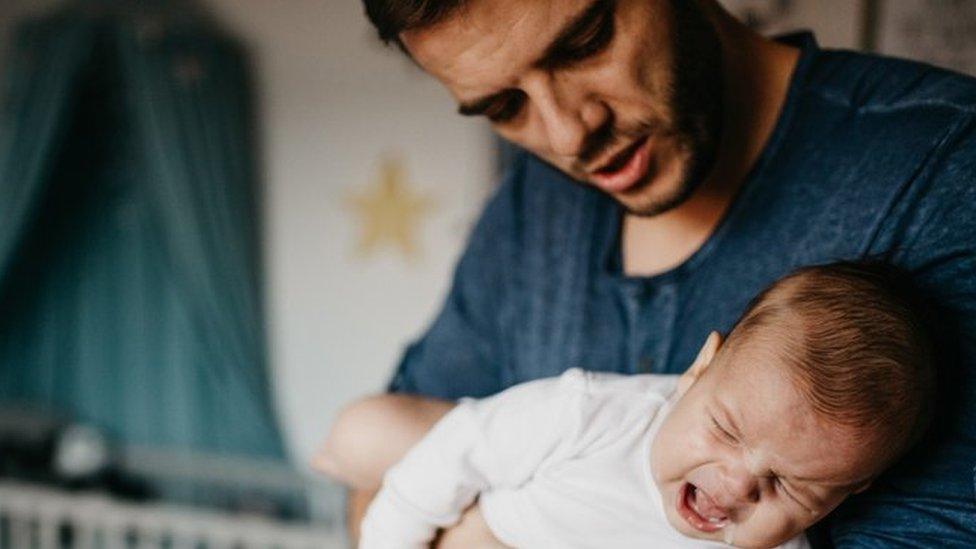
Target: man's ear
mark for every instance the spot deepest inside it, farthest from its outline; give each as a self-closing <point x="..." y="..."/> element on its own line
<point x="705" y="357"/>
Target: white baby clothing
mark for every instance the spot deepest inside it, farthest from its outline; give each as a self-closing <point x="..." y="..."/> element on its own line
<point x="556" y="463"/>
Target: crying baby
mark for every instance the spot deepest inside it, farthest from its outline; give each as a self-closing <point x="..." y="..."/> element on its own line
<point x="825" y="381"/>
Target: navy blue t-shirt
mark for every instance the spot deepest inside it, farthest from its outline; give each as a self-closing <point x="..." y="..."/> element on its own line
<point x="870" y="157"/>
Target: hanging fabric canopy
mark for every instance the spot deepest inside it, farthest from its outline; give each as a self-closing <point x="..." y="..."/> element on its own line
<point x="129" y="265"/>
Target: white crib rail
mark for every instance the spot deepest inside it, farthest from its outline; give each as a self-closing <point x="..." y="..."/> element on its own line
<point x="34" y="517"/>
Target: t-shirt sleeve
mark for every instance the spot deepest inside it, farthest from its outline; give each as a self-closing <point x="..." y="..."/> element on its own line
<point x="458" y="355"/>
<point x="929" y="498"/>
<point x="497" y="442"/>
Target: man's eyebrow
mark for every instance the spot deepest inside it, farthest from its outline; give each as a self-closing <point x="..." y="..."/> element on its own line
<point x="552" y="55"/>
<point x="576" y="26"/>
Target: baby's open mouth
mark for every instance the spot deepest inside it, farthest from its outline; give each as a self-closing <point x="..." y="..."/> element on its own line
<point x="700" y="510"/>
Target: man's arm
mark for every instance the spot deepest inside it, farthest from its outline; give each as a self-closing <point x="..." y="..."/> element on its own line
<point x="366" y="439"/>
<point x="372" y="434"/>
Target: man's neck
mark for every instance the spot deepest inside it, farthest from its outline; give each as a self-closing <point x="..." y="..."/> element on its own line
<point x="757" y="75"/>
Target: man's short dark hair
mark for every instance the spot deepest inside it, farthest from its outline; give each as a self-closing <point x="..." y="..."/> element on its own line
<point x="391" y="17"/>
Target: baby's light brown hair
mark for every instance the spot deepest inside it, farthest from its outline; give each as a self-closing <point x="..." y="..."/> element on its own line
<point x="857" y="341"/>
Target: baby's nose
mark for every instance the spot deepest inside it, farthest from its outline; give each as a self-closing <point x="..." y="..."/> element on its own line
<point x="742" y="488"/>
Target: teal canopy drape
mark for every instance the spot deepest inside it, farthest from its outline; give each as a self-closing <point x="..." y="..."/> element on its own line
<point x="129" y="265"/>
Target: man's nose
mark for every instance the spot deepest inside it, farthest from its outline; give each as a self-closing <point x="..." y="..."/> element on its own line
<point x="567" y="116"/>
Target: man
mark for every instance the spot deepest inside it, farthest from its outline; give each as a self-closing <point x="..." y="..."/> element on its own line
<point x="681" y="163"/>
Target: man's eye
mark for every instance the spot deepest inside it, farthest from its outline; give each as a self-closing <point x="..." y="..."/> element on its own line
<point x="507" y="108"/>
<point x="591" y="41"/>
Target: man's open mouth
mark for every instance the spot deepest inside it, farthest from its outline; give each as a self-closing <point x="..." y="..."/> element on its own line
<point x="700" y="510"/>
<point x="625" y="168"/>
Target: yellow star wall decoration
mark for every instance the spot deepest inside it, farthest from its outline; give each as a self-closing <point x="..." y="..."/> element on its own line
<point x="390" y="212"/>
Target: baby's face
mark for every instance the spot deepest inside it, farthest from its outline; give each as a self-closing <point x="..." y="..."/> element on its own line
<point x="743" y="458"/>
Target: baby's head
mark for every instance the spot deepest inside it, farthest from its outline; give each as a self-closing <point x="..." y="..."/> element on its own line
<point x="826" y="380"/>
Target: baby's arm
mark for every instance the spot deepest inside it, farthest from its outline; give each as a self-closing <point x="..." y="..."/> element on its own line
<point x="480" y="444"/>
<point x="373" y="433"/>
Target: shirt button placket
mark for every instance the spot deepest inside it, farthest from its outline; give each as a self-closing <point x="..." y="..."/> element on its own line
<point x="654" y="330"/>
<point x="640" y="299"/>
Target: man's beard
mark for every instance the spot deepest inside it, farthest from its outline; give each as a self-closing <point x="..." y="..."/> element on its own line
<point x="695" y="102"/>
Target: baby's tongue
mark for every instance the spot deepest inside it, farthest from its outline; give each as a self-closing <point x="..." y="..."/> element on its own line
<point x="705" y="506"/>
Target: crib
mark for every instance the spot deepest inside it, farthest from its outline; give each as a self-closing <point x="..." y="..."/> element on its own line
<point x="40" y="517"/>
<point x="45" y="516"/>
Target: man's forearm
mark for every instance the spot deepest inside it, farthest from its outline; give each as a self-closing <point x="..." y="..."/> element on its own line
<point x="367" y="439"/>
<point x="372" y="434"/>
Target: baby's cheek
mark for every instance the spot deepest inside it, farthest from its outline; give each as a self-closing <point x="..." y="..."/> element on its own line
<point x="688" y="453"/>
<point x="698" y="448"/>
<point x="680" y="449"/>
<point x="769" y="526"/>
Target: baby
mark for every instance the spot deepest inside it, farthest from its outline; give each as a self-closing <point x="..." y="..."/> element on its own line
<point x="823" y="383"/>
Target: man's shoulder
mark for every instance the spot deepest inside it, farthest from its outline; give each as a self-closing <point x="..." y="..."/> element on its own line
<point x="896" y="130"/>
<point x="906" y="133"/>
<point x="876" y="83"/>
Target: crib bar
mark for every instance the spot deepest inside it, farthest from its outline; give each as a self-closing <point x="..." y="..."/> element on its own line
<point x="35" y="517"/>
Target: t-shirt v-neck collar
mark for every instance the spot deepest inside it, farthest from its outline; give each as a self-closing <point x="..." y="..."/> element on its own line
<point x="611" y="258"/>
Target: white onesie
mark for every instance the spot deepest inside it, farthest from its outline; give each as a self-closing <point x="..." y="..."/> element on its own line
<point x="556" y="463"/>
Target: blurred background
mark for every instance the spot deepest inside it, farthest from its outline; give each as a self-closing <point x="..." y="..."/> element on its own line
<point x="222" y="219"/>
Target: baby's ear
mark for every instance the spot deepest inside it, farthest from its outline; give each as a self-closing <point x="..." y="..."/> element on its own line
<point x="705" y="357"/>
<point x="707" y="353"/>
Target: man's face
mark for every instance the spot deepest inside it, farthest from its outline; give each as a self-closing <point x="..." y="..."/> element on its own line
<point x="743" y="458"/>
<point x="624" y="95"/>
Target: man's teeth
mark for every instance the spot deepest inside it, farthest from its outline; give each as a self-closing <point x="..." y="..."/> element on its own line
<point x="714" y="520"/>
